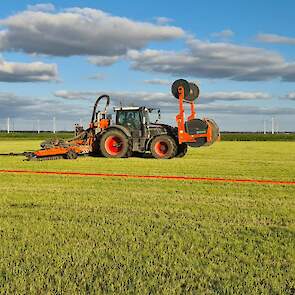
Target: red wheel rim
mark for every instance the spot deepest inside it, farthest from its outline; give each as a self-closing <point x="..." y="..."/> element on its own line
<point x="161" y="148"/>
<point x="114" y="145"/>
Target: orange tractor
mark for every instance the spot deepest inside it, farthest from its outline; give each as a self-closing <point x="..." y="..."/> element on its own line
<point x="133" y="132"/>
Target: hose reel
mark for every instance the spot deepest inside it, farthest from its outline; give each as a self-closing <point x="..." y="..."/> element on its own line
<point x="191" y="90"/>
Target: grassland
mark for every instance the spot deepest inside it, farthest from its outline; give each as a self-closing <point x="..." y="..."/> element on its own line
<point x="76" y="235"/>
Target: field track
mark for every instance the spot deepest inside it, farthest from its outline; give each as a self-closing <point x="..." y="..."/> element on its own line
<point x="168" y="177"/>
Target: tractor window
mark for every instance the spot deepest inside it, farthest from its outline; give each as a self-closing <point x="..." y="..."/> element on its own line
<point x="154" y="116"/>
<point x="147" y="117"/>
<point x="129" y="119"/>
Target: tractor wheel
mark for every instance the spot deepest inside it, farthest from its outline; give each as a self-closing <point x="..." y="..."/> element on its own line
<point x="181" y="150"/>
<point x="163" y="147"/>
<point x="71" y="155"/>
<point x="114" y="144"/>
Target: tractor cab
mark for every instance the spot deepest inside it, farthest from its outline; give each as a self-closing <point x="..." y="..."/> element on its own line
<point x="135" y="117"/>
<point x="129" y="117"/>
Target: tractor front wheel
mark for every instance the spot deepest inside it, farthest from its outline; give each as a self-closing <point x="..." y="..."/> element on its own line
<point x="163" y="147"/>
<point x="114" y="144"/>
<point x="181" y="150"/>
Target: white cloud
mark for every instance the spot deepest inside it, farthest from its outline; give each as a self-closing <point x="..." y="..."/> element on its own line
<point x="24" y="107"/>
<point x="103" y="60"/>
<point x="46" y="7"/>
<point x="235" y="95"/>
<point x="158" y="82"/>
<point x="209" y="102"/>
<point x="224" y="34"/>
<point x="276" y="39"/>
<point x="289" y="96"/>
<point x="27" y="72"/>
<point x="162" y="20"/>
<point x="215" y="60"/>
<point x="126" y="96"/>
<point x="245" y="110"/>
<point x="79" y="31"/>
<point x="161" y="98"/>
<point x="24" y="110"/>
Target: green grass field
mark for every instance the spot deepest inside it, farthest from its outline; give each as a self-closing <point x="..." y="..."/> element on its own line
<point x="87" y="235"/>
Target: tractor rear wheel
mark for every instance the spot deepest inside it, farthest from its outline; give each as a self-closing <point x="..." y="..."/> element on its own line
<point x="163" y="147"/>
<point x="181" y="150"/>
<point x="114" y="144"/>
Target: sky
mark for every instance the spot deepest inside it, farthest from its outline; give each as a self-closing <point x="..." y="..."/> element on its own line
<point x="56" y="57"/>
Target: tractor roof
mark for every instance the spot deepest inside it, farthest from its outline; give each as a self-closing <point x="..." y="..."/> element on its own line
<point x="128" y="108"/>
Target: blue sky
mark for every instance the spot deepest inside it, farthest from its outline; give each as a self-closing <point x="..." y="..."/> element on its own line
<point x="55" y="59"/>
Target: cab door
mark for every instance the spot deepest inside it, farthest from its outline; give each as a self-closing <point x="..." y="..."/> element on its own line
<point x="132" y="120"/>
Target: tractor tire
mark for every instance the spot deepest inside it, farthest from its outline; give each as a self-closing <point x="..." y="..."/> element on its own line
<point x="115" y="144"/>
<point x="163" y="147"/>
<point x="181" y="150"/>
<point x="71" y="155"/>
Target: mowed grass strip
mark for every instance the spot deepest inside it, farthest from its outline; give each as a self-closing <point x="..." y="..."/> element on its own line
<point x="251" y="160"/>
<point x="78" y="235"/>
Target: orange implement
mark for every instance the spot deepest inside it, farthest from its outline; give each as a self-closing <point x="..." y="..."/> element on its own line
<point x="212" y="132"/>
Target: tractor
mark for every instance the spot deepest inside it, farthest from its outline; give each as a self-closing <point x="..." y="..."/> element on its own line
<point x="132" y="131"/>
